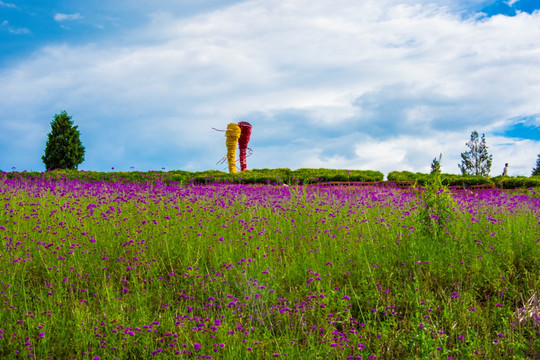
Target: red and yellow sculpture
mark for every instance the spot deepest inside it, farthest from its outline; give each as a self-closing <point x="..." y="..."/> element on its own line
<point x="237" y="134"/>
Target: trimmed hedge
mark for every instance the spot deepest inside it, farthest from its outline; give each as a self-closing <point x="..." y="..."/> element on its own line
<point x="285" y="176"/>
<point x="403" y="176"/>
<point x="502" y="182"/>
<point x="512" y="182"/>
<point x="305" y="175"/>
<point x="255" y="176"/>
<point x="447" y="179"/>
<point x="277" y="176"/>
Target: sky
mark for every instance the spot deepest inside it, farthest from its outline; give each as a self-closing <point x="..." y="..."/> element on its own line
<point x="383" y="85"/>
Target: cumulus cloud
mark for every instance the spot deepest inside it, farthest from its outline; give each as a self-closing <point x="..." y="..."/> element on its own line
<point x="378" y="84"/>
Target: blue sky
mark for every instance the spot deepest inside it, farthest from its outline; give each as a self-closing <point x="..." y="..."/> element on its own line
<point x="373" y="84"/>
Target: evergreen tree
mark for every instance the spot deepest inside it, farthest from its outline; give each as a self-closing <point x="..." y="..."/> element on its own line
<point x="436" y="165"/>
<point x="536" y="170"/>
<point x="476" y="161"/>
<point x="63" y="149"/>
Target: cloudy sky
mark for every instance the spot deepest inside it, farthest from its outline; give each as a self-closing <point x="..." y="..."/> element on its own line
<point x="348" y="84"/>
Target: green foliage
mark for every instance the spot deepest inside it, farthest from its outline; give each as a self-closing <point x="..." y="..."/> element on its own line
<point x="63" y="149"/>
<point x="476" y="161"/>
<point x="436" y="165"/>
<point x="438" y="209"/>
<point x="403" y="176"/>
<point x="305" y="175"/>
<point x="465" y="181"/>
<point x="536" y="170"/>
<point x="255" y="176"/>
<point x="446" y="179"/>
<point x="512" y="182"/>
<point x="276" y="176"/>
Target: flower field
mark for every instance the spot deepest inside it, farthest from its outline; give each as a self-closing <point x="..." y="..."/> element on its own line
<point x="96" y="270"/>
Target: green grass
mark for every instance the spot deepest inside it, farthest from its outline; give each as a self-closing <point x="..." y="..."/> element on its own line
<point x="130" y="271"/>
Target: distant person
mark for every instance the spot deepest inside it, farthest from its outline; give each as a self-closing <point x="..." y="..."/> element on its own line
<point x="505" y="170"/>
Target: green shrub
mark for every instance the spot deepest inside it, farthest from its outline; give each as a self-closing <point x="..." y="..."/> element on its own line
<point x="305" y="175"/>
<point x="277" y="176"/>
<point x="512" y="182"/>
<point x="446" y="179"/>
<point x="403" y="176"/>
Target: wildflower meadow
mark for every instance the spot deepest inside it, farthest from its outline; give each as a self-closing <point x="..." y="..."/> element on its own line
<point x="117" y="270"/>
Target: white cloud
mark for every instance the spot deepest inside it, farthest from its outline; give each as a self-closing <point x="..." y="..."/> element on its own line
<point x="15" y="30"/>
<point x="412" y="153"/>
<point x="400" y="153"/>
<point x="67" y="17"/>
<point x="9" y="5"/>
<point x="511" y="2"/>
<point x="521" y="155"/>
<point x="410" y="79"/>
<point x="19" y="31"/>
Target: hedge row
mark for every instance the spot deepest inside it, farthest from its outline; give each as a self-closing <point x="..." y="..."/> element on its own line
<point x="255" y="176"/>
<point x="502" y="182"/>
<point x="279" y="176"/>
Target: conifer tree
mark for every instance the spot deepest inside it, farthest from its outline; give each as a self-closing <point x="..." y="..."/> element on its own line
<point x="476" y="161"/>
<point x="436" y="165"/>
<point x="536" y="170"/>
<point x="63" y="149"/>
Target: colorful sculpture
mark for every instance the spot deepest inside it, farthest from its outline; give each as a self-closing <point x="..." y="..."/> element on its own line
<point x="232" y="134"/>
<point x="236" y="134"/>
<point x="245" y="135"/>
